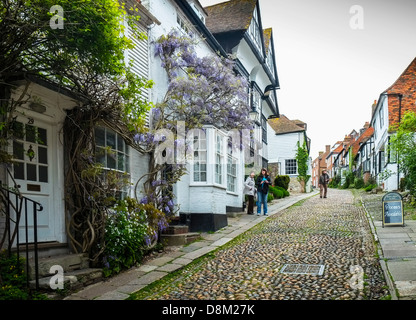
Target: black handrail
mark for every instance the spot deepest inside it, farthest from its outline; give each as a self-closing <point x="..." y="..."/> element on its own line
<point x="14" y="205"/>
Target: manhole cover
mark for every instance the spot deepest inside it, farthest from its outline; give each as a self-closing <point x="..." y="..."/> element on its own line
<point x="314" y="269"/>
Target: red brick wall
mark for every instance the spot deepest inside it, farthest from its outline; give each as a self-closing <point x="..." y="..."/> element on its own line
<point x="406" y="85"/>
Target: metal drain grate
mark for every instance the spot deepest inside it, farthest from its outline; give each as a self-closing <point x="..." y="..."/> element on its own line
<point x="314" y="269"/>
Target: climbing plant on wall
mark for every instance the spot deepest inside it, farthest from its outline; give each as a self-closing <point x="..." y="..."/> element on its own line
<point x="200" y="91"/>
<point x="302" y="157"/>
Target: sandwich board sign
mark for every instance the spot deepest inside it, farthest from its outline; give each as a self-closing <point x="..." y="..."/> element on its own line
<point x="393" y="209"/>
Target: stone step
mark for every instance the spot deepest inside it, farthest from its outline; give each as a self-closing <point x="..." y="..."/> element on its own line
<point x="72" y="280"/>
<point x="45" y="249"/>
<point x="68" y="262"/>
<point x="176" y="229"/>
<point x="179" y="239"/>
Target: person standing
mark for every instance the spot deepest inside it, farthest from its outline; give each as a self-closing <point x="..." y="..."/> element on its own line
<point x="323" y="183"/>
<point x="263" y="181"/>
<point x="250" y="191"/>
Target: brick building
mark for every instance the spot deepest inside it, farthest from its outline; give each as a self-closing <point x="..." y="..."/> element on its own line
<point x="399" y="98"/>
<point x="319" y="164"/>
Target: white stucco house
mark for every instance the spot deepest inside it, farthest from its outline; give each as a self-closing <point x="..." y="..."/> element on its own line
<point x="38" y="148"/>
<point x="213" y="186"/>
<point x="283" y="141"/>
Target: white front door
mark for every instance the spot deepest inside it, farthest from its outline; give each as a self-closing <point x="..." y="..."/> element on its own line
<point x="32" y="149"/>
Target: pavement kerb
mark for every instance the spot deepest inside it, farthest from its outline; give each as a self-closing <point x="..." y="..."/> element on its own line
<point x="383" y="263"/>
<point x="149" y="273"/>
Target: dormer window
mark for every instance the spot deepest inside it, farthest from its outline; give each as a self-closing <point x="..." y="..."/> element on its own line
<point x="270" y="61"/>
<point x="182" y="25"/>
<point x="198" y="12"/>
<point x="254" y="30"/>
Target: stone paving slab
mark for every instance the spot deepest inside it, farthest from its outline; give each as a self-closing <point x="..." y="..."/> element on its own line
<point x="183" y="261"/>
<point x="221" y="242"/>
<point x="147" y="268"/>
<point x="395" y="253"/>
<point x="174" y="254"/>
<point x="130" y="288"/>
<point x="151" y="277"/>
<point x="201" y="244"/>
<point x="398" y="235"/>
<point x="198" y="253"/>
<point x="404" y="269"/>
<point x="170" y="267"/>
<point x="406" y="288"/>
<point x="212" y="236"/>
<point x="113" y="295"/>
<point x="160" y="261"/>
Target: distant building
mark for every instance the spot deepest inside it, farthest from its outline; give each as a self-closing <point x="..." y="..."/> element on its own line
<point x="283" y="141"/>
<point x="319" y="164"/>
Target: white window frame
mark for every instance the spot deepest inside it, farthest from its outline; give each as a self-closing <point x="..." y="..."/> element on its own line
<point x="199" y="162"/>
<point x="381" y="116"/>
<point x="183" y="26"/>
<point x="110" y="152"/>
<point x="254" y="30"/>
<point x="289" y="167"/>
<point x="231" y="170"/>
<point x="219" y="158"/>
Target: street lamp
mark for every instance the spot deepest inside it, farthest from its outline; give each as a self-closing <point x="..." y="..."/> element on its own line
<point x="254" y="115"/>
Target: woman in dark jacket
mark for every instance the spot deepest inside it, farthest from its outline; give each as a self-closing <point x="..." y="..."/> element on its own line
<point x="262" y="183"/>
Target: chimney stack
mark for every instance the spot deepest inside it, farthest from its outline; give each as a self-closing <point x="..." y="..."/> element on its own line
<point x="373" y="107"/>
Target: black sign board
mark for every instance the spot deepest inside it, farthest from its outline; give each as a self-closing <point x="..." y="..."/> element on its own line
<point x="393" y="209"/>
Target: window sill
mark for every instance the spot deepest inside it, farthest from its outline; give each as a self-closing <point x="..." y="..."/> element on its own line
<point x="202" y="184"/>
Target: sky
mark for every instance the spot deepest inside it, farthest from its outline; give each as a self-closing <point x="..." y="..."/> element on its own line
<point x="335" y="57"/>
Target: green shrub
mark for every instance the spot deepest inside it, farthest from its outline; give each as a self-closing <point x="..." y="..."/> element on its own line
<point x="270" y="197"/>
<point x="334" y="183"/>
<point x="13" y="279"/>
<point x="282" y="181"/>
<point x="285" y="192"/>
<point x="127" y="234"/>
<point x="359" y="183"/>
<point x="370" y="187"/>
<point x="276" y="191"/>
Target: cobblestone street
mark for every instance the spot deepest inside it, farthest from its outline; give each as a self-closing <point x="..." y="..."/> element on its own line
<point x="332" y="233"/>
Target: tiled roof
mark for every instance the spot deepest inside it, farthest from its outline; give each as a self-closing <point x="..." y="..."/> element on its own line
<point x="339" y="148"/>
<point x="267" y="34"/>
<point x="361" y="139"/>
<point x="406" y="85"/>
<point x="234" y="15"/>
<point x="283" y="125"/>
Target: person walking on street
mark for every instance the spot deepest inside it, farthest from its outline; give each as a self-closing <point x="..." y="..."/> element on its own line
<point x="323" y="183"/>
<point x="263" y="181"/>
<point x="250" y="191"/>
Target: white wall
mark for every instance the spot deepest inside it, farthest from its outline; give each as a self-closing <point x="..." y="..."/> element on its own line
<point x="380" y="123"/>
<point x="283" y="146"/>
<point x="192" y="197"/>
